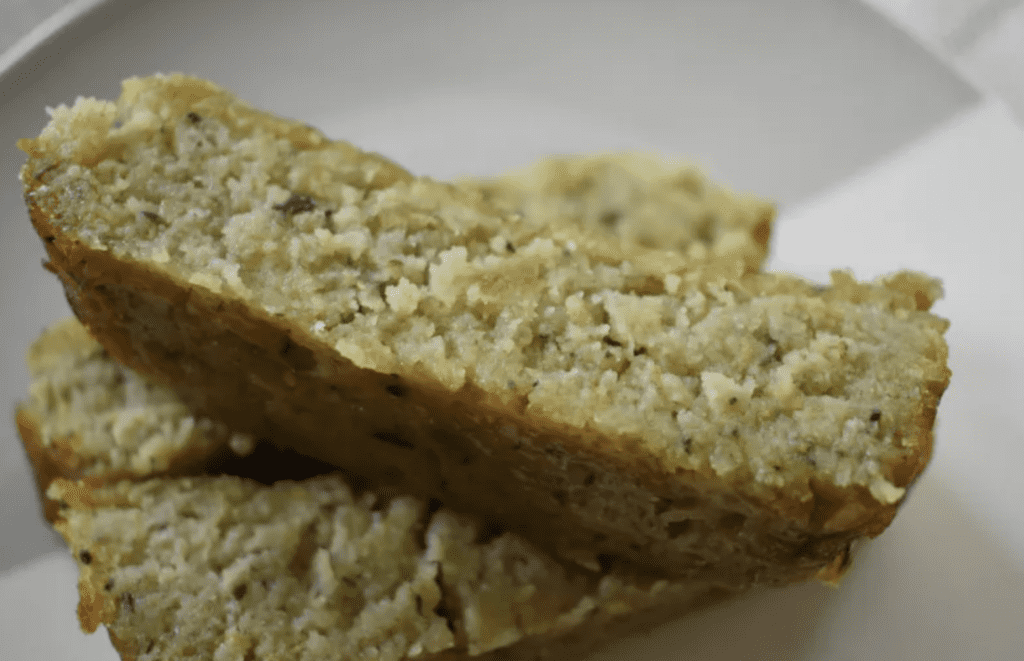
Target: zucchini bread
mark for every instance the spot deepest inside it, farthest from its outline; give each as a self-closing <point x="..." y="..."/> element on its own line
<point x="612" y="403"/>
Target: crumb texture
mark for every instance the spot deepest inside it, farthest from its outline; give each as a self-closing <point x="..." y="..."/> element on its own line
<point x="223" y="568"/>
<point x="95" y="417"/>
<point x="641" y="200"/>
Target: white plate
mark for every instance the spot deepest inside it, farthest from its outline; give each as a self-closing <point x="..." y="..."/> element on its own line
<point x="814" y="104"/>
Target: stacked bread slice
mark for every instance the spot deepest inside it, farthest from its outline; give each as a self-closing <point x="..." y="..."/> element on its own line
<point x="270" y="555"/>
<point x="668" y="421"/>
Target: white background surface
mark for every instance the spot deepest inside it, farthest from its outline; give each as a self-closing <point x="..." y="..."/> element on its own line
<point x="883" y="161"/>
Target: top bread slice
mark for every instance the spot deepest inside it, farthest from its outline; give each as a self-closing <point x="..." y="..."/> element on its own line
<point x="607" y="401"/>
<point x="76" y="429"/>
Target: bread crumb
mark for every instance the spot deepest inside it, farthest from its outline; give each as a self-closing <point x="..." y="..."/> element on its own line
<point x="724" y="394"/>
<point x="886" y="492"/>
<point x="241" y="444"/>
<point x="403" y="297"/>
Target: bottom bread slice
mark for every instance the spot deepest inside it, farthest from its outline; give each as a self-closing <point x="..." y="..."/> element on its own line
<point x="225" y="568"/>
<point x="231" y="568"/>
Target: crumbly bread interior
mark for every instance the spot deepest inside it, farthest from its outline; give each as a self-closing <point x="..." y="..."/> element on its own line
<point x="641" y="199"/>
<point x="223" y="568"/>
<point x="664" y="369"/>
<point x="92" y="416"/>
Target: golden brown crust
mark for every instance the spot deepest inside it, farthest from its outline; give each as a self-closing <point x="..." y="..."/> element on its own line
<point x="48" y="463"/>
<point x="128" y="650"/>
<point x="59" y="459"/>
<point x="96" y="606"/>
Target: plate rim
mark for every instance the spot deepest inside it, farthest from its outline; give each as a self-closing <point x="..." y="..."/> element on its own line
<point x="43" y="34"/>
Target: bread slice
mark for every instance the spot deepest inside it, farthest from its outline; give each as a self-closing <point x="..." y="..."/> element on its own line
<point x="606" y="401"/>
<point x="225" y="568"/>
<point x="638" y="198"/>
